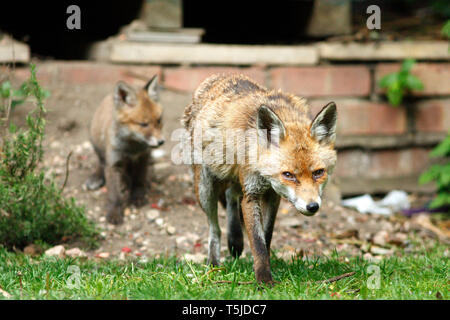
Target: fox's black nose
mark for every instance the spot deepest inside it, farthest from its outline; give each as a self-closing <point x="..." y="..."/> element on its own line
<point x="312" y="207"/>
<point x="160" y="142"/>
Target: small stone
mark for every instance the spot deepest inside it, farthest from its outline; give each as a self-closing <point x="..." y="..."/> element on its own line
<point x="367" y="256"/>
<point x="32" y="250"/>
<point x="196" y="258"/>
<point x="380" y="251"/>
<point x="66" y="124"/>
<point x="152" y="214"/>
<point x="171" y="230"/>
<point x="57" y="251"/>
<point x="180" y="240"/>
<point x="159" y="222"/>
<point x="76" y="253"/>
<point x="103" y="255"/>
<point x="381" y="238"/>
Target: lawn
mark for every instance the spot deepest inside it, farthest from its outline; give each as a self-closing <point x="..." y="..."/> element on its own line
<point x="419" y="275"/>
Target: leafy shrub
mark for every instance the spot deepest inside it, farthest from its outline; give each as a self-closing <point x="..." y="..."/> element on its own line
<point x="398" y="83"/>
<point x="440" y="173"/>
<point x="32" y="207"/>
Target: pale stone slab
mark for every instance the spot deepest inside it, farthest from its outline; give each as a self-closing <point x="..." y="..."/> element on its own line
<point x="14" y="51"/>
<point x="429" y="50"/>
<point x="213" y="54"/>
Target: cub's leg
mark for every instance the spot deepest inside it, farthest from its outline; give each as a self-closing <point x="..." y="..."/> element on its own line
<point x="118" y="184"/>
<point x="208" y="198"/>
<point x="139" y="184"/>
<point x="235" y="237"/>
<point x="97" y="179"/>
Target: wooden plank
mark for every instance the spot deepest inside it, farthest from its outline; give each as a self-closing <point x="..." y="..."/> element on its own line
<point x="14" y="51"/>
<point x="133" y="52"/>
<point x="389" y="50"/>
<point x="176" y="36"/>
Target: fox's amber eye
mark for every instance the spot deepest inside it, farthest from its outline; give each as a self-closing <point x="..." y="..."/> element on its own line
<point x="289" y="176"/>
<point x="318" y="173"/>
<point x="143" y="124"/>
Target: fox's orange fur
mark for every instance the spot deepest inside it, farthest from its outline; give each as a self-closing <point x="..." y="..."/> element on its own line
<point x="294" y="164"/>
<point x="124" y="128"/>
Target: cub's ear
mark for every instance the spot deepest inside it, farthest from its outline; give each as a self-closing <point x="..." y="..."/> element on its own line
<point x="323" y="127"/>
<point x="269" y="125"/>
<point x="124" y="94"/>
<point x="152" y="88"/>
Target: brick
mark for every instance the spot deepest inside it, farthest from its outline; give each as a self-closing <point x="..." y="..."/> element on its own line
<point x="379" y="164"/>
<point x="87" y="73"/>
<point x="188" y="79"/>
<point x="433" y="115"/>
<point x="322" y="81"/>
<point x="362" y="117"/>
<point x="435" y="77"/>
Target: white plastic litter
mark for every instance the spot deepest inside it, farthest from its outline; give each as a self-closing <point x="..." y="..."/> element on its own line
<point x="394" y="201"/>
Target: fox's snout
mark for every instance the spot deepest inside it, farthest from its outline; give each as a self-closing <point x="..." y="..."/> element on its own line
<point x="155" y="142"/>
<point x="307" y="208"/>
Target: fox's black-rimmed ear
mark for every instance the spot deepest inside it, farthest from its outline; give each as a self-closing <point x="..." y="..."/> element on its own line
<point x="152" y="88"/>
<point x="124" y="94"/>
<point x="323" y="127"/>
<point x="269" y="125"/>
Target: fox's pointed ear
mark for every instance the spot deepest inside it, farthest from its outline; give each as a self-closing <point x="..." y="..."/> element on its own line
<point x="323" y="127"/>
<point x="123" y="94"/>
<point x="269" y="125"/>
<point x="152" y="88"/>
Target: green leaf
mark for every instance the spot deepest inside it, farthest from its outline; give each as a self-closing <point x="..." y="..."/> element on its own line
<point x="413" y="83"/>
<point x="446" y="29"/>
<point x="5" y="89"/>
<point x="15" y="103"/>
<point x="407" y="65"/>
<point x="441" y="199"/>
<point x="388" y="80"/>
<point x="395" y="96"/>
<point x="431" y="174"/>
<point x="442" y="149"/>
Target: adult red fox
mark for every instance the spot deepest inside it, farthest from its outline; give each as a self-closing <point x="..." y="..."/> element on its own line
<point x="124" y="128"/>
<point x="295" y="157"/>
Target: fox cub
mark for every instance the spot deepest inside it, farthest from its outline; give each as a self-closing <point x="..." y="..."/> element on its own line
<point x="295" y="157"/>
<point x="124" y="128"/>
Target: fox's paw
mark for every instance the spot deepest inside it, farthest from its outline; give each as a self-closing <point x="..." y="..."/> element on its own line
<point x="115" y="216"/>
<point x="94" y="182"/>
<point x="138" y="197"/>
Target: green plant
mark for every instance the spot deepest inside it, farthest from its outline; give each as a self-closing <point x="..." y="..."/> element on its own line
<point x="32" y="207"/>
<point x="446" y="29"/>
<point x="398" y="83"/>
<point x="440" y="173"/>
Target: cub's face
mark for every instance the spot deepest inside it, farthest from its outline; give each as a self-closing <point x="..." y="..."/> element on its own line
<point x="139" y="115"/>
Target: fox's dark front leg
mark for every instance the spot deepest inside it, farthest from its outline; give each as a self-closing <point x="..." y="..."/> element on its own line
<point x="118" y="185"/>
<point x="97" y="179"/>
<point x="207" y="194"/>
<point x="270" y="203"/>
<point x="139" y="183"/>
<point x="251" y="208"/>
<point x="235" y="236"/>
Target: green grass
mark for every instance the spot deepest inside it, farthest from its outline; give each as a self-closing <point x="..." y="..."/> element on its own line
<point x="421" y="275"/>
